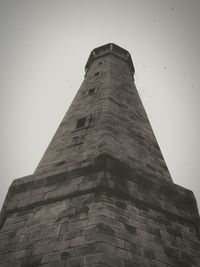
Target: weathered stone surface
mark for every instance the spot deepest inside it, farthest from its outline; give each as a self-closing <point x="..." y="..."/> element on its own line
<point x="76" y="226"/>
<point x="102" y="194"/>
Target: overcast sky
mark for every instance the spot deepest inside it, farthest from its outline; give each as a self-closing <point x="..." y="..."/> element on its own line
<point x="43" y="50"/>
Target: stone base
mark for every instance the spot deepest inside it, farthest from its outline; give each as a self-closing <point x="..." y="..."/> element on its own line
<point x="104" y="214"/>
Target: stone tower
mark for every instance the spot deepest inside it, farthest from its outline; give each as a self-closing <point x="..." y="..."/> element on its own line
<point x="101" y="195"/>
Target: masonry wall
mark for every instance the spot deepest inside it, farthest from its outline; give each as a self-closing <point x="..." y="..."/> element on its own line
<point x="99" y="216"/>
<point x="102" y="194"/>
<point x="116" y="124"/>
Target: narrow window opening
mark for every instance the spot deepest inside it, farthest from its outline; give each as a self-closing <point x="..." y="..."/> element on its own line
<point x="81" y="123"/>
<point x="60" y="163"/>
<point x="101" y="62"/>
<point x="96" y="74"/>
<point x="75" y="140"/>
<point x="91" y="91"/>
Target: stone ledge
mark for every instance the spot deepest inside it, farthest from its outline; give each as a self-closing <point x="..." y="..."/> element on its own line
<point x="108" y="175"/>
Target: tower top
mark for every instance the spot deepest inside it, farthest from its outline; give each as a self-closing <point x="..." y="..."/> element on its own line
<point x="108" y="49"/>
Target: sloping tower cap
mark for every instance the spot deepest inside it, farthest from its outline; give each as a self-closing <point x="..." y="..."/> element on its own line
<point x="107" y="49"/>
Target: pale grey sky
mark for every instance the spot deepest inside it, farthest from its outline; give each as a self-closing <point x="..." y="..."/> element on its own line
<point x="43" y="50"/>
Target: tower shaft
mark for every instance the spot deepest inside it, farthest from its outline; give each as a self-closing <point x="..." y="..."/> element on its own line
<point x="113" y="119"/>
<point x="102" y="194"/>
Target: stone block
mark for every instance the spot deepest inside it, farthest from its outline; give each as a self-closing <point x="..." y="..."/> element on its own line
<point x="69" y="213"/>
<point x="72" y="234"/>
<point x="61" y="245"/>
<point x="124" y="254"/>
<point x="59" y="263"/>
<point x="62" y="191"/>
<point x="43" y="249"/>
<point x="23" y="202"/>
<point x="155" y="263"/>
<point x="46" y="220"/>
<point x="86" y="186"/>
<point x="136" y="224"/>
<point x="67" y="254"/>
<point x="77" y="224"/>
<point x="133" y="247"/>
<point x="43" y="233"/>
<point x="74" y="262"/>
<point x="15" y="263"/>
<point x="132" y="264"/>
<point x="78" y="241"/>
<point x="149" y="253"/>
<point x="7" y="235"/>
<point x="63" y="228"/>
<point x="82" y="209"/>
<point x="53" y="256"/>
<point x="31" y="261"/>
<point x="105" y="228"/>
<point x="7" y="257"/>
<point x="102" y="237"/>
<point x="87" y="249"/>
<point x="155" y="246"/>
<point x="145" y="235"/>
<point x="23" y="253"/>
<point x="103" y="219"/>
<point x="130" y="229"/>
<point x="162" y="257"/>
<point x="35" y="199"/>
<point x="104" y="212"/>
<point x="94" y="258"/>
